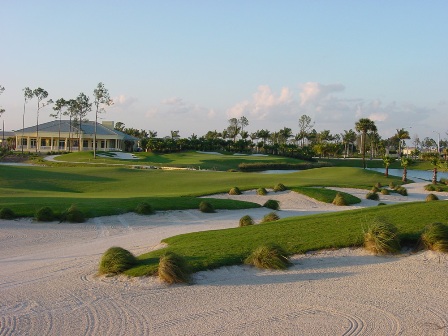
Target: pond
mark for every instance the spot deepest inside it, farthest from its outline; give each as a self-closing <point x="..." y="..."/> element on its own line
<point x="420" y="174"/>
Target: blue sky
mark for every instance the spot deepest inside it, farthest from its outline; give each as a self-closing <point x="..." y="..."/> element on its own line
<point x="192" y="65"/>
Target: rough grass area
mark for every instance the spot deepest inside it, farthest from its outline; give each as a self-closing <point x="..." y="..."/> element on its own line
<point x="212" y="249"/>
<point x="325" y="195"/>
<point x="270" y="217"/>
<point x="173" y="269"/>
<point x="381" y="237"/>
<point x="246" y="221"/>
<point x="260" y="166"/>
<point x="116" y="260"/>
<point x="435" y="237"/>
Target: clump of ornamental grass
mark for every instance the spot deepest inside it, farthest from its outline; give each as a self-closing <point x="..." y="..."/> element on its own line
<point x="116" y="260"/>
<point x="374" y="189"/>
<point x="44" y="214"/>
<point x="279" y="187"/>
<point x="381" y="237"/>
<point x="246" y="221"/>
<point x="402" y="191"/>
<point x="272" y="204"/>
<point x="261" y="191"/>
<point x="7" y="213"/>
<point x="206" y="207"/>
<point x="435" y="237"/>
<point x="73" y="215"/>
<point x="372" y="196"/>
<point x="144" y="208"/>
<point x="339" y="200"/>
<point x="270" y="217"/>
<point x="385" y="192"/>
<point x="430" y="187"/>
<point x="444" y="181"/>
<point x="392" y="185"/>
<point x="173" y="269"/>
<point x="235" y="191"/>
<point x="431" y="197"/>
<point x="268" y="257"/>
<point x="378" y="185"/>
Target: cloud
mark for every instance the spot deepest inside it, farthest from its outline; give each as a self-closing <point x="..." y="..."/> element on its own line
<point x="313" y="92"/>
<point x="175" y="106"/>
<point x="122" y="102"/>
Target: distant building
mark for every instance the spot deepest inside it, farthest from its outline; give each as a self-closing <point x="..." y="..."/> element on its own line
<point x="4" y="136"/>
<point x="66" y="136"/>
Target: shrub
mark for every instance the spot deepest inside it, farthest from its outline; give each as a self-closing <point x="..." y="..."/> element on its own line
<point x="385" y="192"/>
<point x="372" y="196"/>
<point x="206" y="207"/>
<point x="116" y="260"/>
<point x="7" y="213"/>
<point x="246" y="221"/>
<point x="435" y="237"/>
<point x="272" y="204"/>
<point x="430" y="187"/>
<point x="44" y="214"/>
<point x="431" y="197"/>
<point x="439" y="188"/>
<point x="374" y="189"/>
<point x="279" y="187"/>
<point x="381" y="237"/>
<point x="268" y="257"/>
<point x="392" y="185"/>
<point x="270" y="217"/>
<point x="144" y="209"/>
<point x="74" y="215"/>
<point x="235" y="191"/>
<point x="173" y="269"/>
<point x="378" y="185"/>
<point x="261" y="191"/>
<point x="402" y="191"/>
<point x="339" y="200"/>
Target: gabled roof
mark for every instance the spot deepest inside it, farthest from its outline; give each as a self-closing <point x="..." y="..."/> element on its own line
<point x="87" y="127"/>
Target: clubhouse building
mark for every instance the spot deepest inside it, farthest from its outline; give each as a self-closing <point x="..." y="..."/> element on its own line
<point x="64" y="135"/>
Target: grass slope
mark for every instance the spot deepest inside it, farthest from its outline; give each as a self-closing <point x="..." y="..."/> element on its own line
<point x="326" y="195"/>
<point x="212" y="249"/>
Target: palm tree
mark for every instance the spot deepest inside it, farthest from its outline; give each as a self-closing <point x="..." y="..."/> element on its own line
<point x="405" y="162"/>
<point x="387" y="160"/>
<point x="347" y="138"/>
<point x="401" y="135"/>
<point x="363" y="126"/>
<point x="435" y="162"/>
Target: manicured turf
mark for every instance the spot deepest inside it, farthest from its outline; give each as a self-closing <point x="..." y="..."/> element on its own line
<point x="212" y="249"/>
<point x="326" y="195"/>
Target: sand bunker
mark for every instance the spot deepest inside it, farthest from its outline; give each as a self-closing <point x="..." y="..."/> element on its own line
<point x="48" y="284"/>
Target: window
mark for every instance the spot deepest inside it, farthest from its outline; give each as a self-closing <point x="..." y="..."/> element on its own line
<point x="103" y="144"/>
<point x="33" y="143"/>
<point x="24" y="142"/>
<point x="61" y="143"/>
<point x="43" y="142"/>
<point x="85" y="143"/>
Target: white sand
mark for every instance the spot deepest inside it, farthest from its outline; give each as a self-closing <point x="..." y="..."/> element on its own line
<point x="48" y="284"/>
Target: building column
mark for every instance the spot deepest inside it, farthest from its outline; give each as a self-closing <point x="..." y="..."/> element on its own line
<point x="28" y="143"/>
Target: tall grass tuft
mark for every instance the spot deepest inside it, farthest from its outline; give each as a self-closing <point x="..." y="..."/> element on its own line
<point x="279" y="187"/>
<point x="261" y="191"/>
<point x="246" y="221"/>
<point x="73" y="215"/>
<point x="173" y="269"/>
<point x="385" y="192"/>
<point x="272" y="204"/>
<point x="431" y="197"/>
<point x="144" y="208"/>
<point x="378" y="185"/>
<point x="374" y="189"/>
<point x="268" y="257"/>
<point x="235" y="191"/>
<point x="402" y="191"/>
<point x="435" y="237"/>
<point x="339" y="200"/>
<point x="270" y="217"/>
<point x="116" y="260"/>
<point x="430" y="187"/>
<point x="206" y="207"/>
<point x="381" y="237"/>
<point x="372" y="196"/>
<point x="44" y="214"/>
<point x="392" y="185"/>
<point x="7" y="213"/>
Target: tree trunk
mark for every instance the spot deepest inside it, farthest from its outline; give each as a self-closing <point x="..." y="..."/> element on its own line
<point x="405" y="175"/>
<point x="434" y="175"/>
<point x="363" y="138"/>
<point x="387" y="171"/>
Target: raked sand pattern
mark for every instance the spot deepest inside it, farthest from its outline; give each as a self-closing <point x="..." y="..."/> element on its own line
<point x="48" y="284"/>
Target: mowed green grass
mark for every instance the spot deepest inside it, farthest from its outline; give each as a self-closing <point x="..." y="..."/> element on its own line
<point x="212" y="249"/>
<point x="326" y="195"/>
<point x="111" y="190"/>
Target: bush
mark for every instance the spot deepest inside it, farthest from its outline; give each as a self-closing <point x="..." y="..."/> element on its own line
<point x="246" y="221"/>
<point x="144" y="209"/>
<point x="402" y="191"/>
<point x="385" y="192"/>
<point x="7" y="213"/>
<point x="44" y="214"/>
<point x="74" y="215"/>
<point x="235" y="191"/>
<point x="261" y="191"/>
<point x="392" y="185"/>
<point x="173" y="269"/>
<point x="270" y="217"/>
<point x="378" y="185"/>
<point x="381" y="237"/>
<point x="435" y="237"/>
<point x="272" y="204"/>
<point x="339" y="200"/>
<point x="279" y="187"/>
<point x="430" y="187"/>
<point x="206" y="207"/>
<point x="268" y="257"/>
<point x="373" y="196"/>
<point x="431" y="197"/>
<point x="116" y="260"/>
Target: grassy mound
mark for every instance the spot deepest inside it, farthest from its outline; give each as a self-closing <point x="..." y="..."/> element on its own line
<point x="261" y="191"/>
<point x="373" y="196"/>
<point x="435" y="237"/>
<point x="246" y="221"/>
<point x="279" y="187"/>
<point x="268" y="257"/>
<point x="270" y="217"/>
<point x="272" y="204"/>
<point x="116" y="260"/>
<point x="44" y="214"/>
<point x="73" y="215"/>
<point x="173" y="269"/>
<point x="339" y="200"/>
<point x="235" y="191"/>
<point x="144" y="208"/>
<point x="381" y="237"/>
<point x="7" y="213"/>
<point x="206" y="207"/>
<point x="431" y="197"/>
